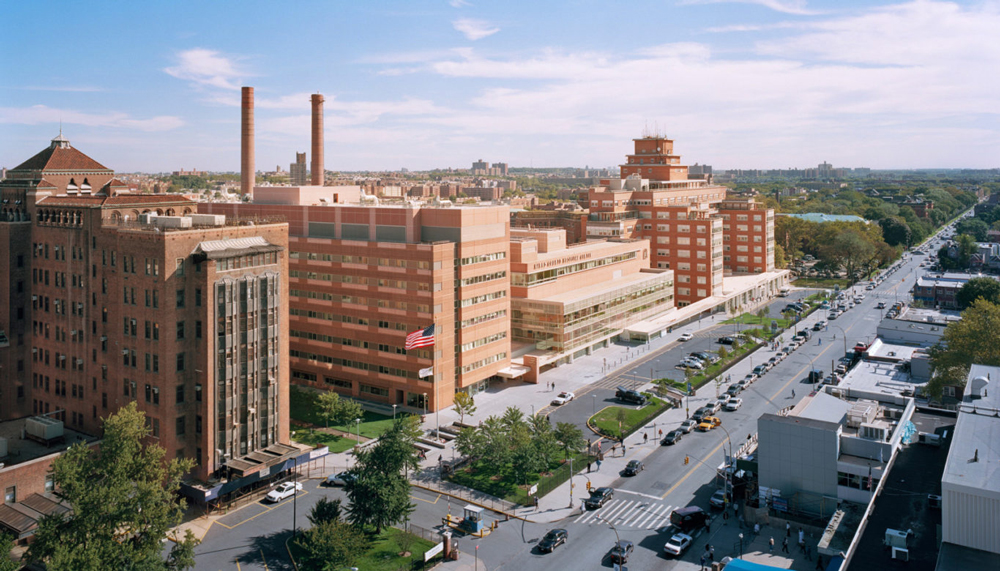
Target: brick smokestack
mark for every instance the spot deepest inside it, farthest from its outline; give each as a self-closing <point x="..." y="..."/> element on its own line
<point x="247" y="162"/>
<point x="318" y="174"/>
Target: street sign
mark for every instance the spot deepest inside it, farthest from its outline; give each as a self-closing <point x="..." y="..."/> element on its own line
<point x="433" y="551"/>
<point x="533" y="490"/>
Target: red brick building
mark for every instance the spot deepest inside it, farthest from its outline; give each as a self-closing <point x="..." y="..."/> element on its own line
<point x="684" y="219"/>
<point x="364" y="275"/>
<point x="117" y="297"/>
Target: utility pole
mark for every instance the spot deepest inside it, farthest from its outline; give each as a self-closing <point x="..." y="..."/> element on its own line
<point x="571" y="484"/>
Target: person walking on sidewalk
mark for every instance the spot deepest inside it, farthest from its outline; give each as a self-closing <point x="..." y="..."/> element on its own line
<point x="802" y="540"/>
<point x="770" y="547"/>
<point x="784" y="545"/>
<point x="788" y="529"/>
<point x="645" y="438"/>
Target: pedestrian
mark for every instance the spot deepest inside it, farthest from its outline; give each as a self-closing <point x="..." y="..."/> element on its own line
<point x="784" y="546"/>
<point x="623" y="448"/>
<point x="802" y="540"/>
<point x="645" y="438"/>
<point x="809" y="555"/>
<point x="788" y="529"/>
<point x="793" y="393"/>
<point x="708" y="526"/>
<point x="770" y="546"/>
<point x="756" y="530"/>
<point x="725" y="517"/>
<point x="711" y="553"/>
<point x="588" y="467"/>
<point x="703" y="558"/>
<point x="819" y="562"/>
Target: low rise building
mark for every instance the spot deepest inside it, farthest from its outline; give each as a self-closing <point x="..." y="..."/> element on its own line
<point x="940" y="291"/>
<point x="570" y="300"/>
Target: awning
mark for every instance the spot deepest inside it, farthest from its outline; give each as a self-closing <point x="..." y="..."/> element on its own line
<point x="513" y="371"/>
<point x="259" y="460"/>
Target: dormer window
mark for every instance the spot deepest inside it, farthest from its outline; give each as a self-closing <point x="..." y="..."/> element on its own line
<point x="72" y="188"/>
<point x="85" y="188"/>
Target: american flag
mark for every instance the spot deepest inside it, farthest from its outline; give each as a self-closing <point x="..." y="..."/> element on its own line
<point x="420" y="338"/>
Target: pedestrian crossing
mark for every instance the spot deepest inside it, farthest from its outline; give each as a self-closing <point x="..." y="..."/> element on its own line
<point x="633" y="514"/>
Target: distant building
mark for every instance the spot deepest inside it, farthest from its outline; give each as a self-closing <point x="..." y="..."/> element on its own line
<point x="941" y="290"/>
<point x="193" y="172"/>
<point x="298" y="171"/>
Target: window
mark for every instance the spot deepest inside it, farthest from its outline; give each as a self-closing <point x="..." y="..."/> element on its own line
<point x="197" y="392"/>
<point x="180" y="362"/>
<point x="180" y="427"/>
<point x="197" y="329"/>
<point x="180" y="394"/>
<point x="197" y="428"/>
<point x="180" y="298"/>
<point x="180" y="267"/>
<point x="50" y="483"/>
<point x="197" y="297"/>
<point x="180" y="330"/>
<point x="10" y="494"/>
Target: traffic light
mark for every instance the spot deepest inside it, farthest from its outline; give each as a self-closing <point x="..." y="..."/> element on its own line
<point x="687" y="460"/>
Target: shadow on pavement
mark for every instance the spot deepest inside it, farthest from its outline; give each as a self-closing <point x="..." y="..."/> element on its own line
<point x="269" y="550"/>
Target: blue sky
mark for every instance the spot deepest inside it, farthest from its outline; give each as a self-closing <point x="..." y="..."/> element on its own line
<point x="154" y="86"/>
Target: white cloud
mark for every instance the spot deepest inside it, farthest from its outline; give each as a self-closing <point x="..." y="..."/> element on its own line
<point x="797" y="7"/>
<point x="206" y="67"/>
<point x="474" y="29"/>
<point x="458" y="3"/>
<point x="40" y="114"/>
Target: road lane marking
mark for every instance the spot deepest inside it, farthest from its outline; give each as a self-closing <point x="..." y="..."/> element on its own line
<point x="692" y="470"/>
<point x="618" y="509"/>
<point x="264" y="559"/>
<point x="436" y="498"/>
<point x="650" y="496"/>
<point x="238" y="564"/>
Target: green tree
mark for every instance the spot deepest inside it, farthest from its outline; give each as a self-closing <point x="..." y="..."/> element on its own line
<point x="465" y="404"/>
<point x="123" y="500"/>
<point x="780" y="259"/>
<point x="949" y="376"/>
<point x="969" y="341"/>
<point x="471" y="443"/>
<point x="723" y="353"/>
<point x="542" y="438"/>
<point x="976" y="288"/>
<point x="974" y="227"/>
<point x="331" y="546"/>
<point x="621" y="416"/>
<point x="325" y="510"/>
<point x="525" y="461"/>
<point x="6" y="546"/>
<point x="896" y="231"/>
<point x="569" y="436"/>
<point x="379" y="495"/>
<point x="338" y="410"/>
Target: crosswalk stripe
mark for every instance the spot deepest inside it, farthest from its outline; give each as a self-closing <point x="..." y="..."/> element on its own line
<point x="624" y="517"/>
<point x="617" y="509"/>
<point x="641" y="513"/>
<point x="585" y="517"/>
<point x="653" y="514"/>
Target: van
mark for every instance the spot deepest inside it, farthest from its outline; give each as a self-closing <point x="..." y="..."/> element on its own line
<point x="688" y="519"/>
<point x="783" y="292"/>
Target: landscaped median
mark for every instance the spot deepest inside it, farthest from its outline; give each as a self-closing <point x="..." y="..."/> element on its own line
<point x="309" y="426"/>
<point x="606" y="421"/>
<point x="390" y="550"/>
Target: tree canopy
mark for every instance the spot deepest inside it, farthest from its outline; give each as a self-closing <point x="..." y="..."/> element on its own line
<point x="379" y="494"/>
<point x="123" y="500"/>
<point x="985" y="288"/>
<point x="970" y="340"/>
<point x="338" y="410"/>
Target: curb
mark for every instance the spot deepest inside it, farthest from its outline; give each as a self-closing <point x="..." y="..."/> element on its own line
<point x="473" y="502"/>
<point x="290" y="556"/>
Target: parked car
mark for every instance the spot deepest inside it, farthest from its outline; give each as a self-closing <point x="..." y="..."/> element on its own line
<point x="759" y="370"/>
<point x="701" y="413"/>
<point x="734" y="404"/>
<point x="833" y="315"/>
<point x="751" y="377"/>
<point x="727" y="340"/>
<point x="633" y="468"/>
<point x="678" y="544"/>
<point x="621" y="551"/>
<point x="554" y="538"/>
<point x="285" y="490"/>
<point x="685" y="337"/>
<point x="718" y="499"/>
<point x="819" y="325"/>
<point x="880" y="305"/>
<point x="734" y="389"/>
<point x="705" y="356"/>
<point x="563" y="398"/>
<point x="688" y="425"/>
<point x="598" y="498"/>
<point x="341" y="479"/>
<point x="630" y="396"/>
<point x="691" y="363"/>
<point x="672" y="437"/>
<point x="720" y="402"/>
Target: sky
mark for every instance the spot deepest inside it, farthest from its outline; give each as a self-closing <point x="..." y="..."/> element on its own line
<point x="155" y="86"/>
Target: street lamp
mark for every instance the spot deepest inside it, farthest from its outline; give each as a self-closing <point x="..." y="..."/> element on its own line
<point x="425" y="404"/>
<point x="357" y="422"/>
<point x="394" y="411"/>
<point x="741" y="546"/>
<point x="595" y="403"/>
<point x="612" y="526"/>
<point x="845" y="336"/>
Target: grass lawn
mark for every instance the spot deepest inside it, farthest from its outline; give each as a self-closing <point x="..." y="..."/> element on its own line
<point x="827" y="283"/>
<point x="384" y="553"/>
<point x="483" y="475"/>
<point x="750" y="319"/>
<point x="606" y="420"/>
<point x="314" y="437"/>
<point x="734" y="354"/>
<point x="302" y="407"/>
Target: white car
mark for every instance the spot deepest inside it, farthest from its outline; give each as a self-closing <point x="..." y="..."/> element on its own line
<point x="563" y="398"/>
<point x="690" y="364"/>
<point x="678" y="544"/>
<point x="688" y="425"/>
<point x="685" y="337"/>
<point x="283" y="491"/>
<point x="734" y="403"/>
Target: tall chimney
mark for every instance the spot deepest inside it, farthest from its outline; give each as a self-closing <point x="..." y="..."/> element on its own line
<point x="318" y="174"/>
<point x="247" y="168"/>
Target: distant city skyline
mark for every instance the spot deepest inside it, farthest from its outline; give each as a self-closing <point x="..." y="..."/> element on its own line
<point x="738" y="84"/>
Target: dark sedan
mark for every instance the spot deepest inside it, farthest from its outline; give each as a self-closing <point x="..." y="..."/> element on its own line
<point x="726" y="340"/>
<point x="598" y="498"/>
<point x="672" y="437"/>
<point x="621" y="551"/>
<point x="633" y="468"/>
<point x="554" y="538"/>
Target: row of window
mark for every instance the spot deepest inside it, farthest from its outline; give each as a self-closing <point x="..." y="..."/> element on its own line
<point x="481" y="298"/>
<point x="482" y="258"/>
<point x="480" y="363"/>
<point x="484" y="341"/>
<point x="482" y="318"/>
<point x="483" y="278"/>
<point x="544" y="276"/>
<point x="247" y="261"/>
<point x="371" y="261"/>
<point x="364" y="280"/>
<point x="353" y="364"/>
<point x="358" y="300"/>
